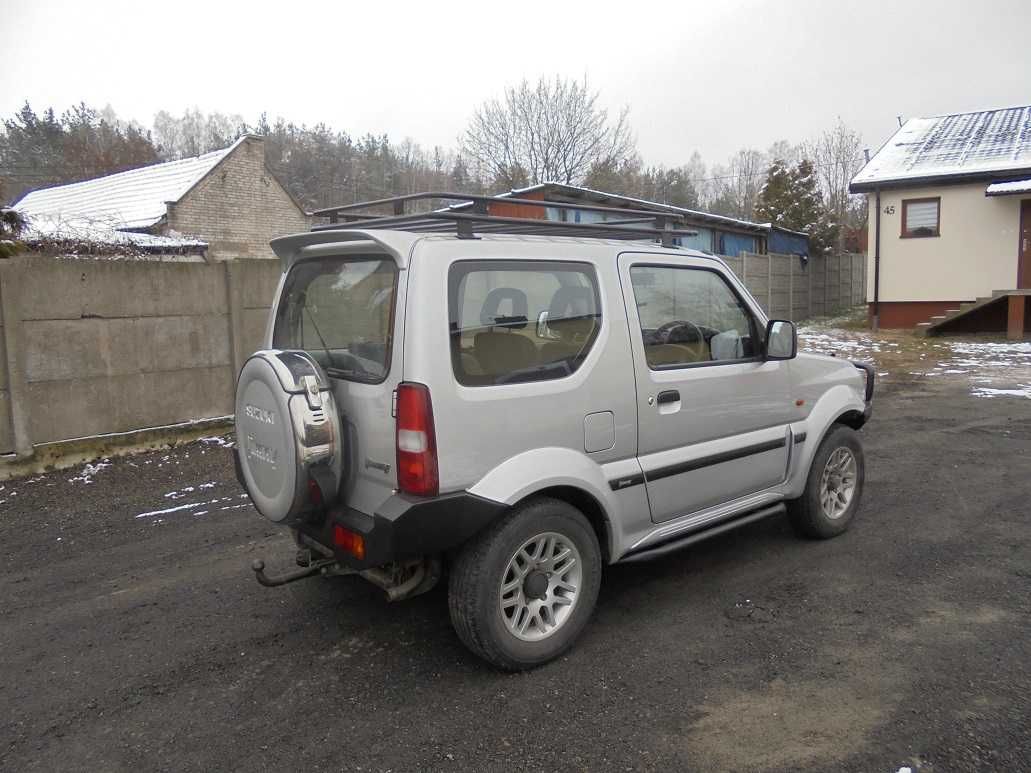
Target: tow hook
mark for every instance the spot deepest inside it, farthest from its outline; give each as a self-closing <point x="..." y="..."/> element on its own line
<point x="317" y="567"/>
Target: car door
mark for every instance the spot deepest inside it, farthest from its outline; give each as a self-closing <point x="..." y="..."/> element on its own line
<point x="713" y="416"/>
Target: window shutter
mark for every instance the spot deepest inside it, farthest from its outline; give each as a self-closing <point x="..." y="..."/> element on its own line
<point x="922" y="215"/>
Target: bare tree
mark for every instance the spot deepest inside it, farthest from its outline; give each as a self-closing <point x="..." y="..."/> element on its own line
<point x="735" y="187"/>
<point x="837" y="156"/>
<point x="551" y="130"/>
<point x="194" y="132"/>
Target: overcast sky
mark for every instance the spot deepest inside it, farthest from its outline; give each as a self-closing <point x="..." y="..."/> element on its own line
<point x="713" y="76"/>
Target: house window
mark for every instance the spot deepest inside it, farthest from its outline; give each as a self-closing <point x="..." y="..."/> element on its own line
<point x="920" y="217"/>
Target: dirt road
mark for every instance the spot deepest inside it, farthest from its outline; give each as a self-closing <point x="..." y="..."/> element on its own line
<point x="138" y="639"/>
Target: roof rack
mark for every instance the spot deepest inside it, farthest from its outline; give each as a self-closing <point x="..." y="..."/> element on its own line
<point x="472" y="216"/>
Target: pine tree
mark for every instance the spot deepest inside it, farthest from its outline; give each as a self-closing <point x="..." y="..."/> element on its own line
<point x="12" y="223"/>
<point x="790" y="198"/>
<point x="776" y="197"/>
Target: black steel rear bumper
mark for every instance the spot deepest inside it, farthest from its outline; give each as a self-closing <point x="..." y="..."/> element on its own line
<point x="405" y="527"/>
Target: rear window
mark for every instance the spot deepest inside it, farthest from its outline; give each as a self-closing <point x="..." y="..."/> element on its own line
<point x="341" y="311"/>
<point x="519" y="321"/>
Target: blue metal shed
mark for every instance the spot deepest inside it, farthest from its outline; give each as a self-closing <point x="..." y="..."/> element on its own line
<point x="715" y="233"/>
<point x="733" y="244"/>
<point x="788" y="242"/>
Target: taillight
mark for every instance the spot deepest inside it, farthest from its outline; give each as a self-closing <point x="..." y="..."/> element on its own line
<point x="349" y="541"/>
<point x="416" y="441"/>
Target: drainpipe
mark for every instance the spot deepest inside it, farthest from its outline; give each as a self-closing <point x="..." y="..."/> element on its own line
<point x="877" y="265"/>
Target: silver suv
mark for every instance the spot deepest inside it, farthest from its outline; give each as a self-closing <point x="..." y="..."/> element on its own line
<point x="516" y="411"/>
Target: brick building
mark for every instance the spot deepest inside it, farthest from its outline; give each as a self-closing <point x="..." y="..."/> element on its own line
<point x="221" y="205"/>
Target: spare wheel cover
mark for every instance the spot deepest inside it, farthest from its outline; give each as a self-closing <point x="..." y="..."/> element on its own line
<point x="268" y="452"/>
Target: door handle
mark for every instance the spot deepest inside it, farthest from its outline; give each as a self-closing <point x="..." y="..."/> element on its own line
<point x="669" y="396"/>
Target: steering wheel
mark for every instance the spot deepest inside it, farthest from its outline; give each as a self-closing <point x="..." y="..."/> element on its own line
<point x="686" y="334"/>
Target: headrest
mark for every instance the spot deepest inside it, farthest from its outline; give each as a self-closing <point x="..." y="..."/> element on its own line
<point x="490" y="313"/>
<point x="571" y="302"/>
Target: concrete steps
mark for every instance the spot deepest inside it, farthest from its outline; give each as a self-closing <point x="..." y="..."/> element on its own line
<point x="931" y="326"/>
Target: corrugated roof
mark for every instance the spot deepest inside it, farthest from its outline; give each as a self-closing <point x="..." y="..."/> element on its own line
<point x="133" y="199"/>
<point x="601" y="196"/>
<point x="956" y="145"/>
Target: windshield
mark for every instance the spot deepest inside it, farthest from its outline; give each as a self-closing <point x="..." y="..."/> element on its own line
<point x="341" y="311"/>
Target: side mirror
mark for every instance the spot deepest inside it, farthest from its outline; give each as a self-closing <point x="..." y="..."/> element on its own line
<point x="781" y="340"/>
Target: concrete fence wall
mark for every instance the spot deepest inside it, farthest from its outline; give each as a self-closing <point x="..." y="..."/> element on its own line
<point x="788" y="289"/>
<point x="95" y="347"/>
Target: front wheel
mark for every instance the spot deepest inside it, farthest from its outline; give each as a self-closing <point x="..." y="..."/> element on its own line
<point x="833" y="488"/>
<point x="521" y="592"/>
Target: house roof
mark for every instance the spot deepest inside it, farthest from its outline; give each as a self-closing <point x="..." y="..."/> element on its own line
<point x="603" y="197"/>
<point x="949" y="148"/>
<point x="134" y="199"/>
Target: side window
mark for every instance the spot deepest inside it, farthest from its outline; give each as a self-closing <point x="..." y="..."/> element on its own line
<point x="518" y="321"/>
<point x="690" y="316"/>
<point x="921" y="217"/>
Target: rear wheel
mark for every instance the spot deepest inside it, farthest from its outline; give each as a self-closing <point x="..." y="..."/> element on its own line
<point x="833" y="488"/>
<point x="521" y="592"/>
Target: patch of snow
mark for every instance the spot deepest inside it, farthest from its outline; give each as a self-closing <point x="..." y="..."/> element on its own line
<point x="218" y="440"/>
<point x="89" y="471"/>
<point x="191" y="506"/>
<point x="1018" y="349"/>
<point x="1022" y="390"/>
<point x="175" y="509"/>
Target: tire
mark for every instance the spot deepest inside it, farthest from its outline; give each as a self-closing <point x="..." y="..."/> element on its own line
<point x="818" y="513"/>
<point x="500" y="624"/>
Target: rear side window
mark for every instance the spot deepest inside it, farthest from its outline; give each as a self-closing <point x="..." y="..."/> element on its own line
<point x="690" y="316"/>
<point x="519" y="321"/>
<point x="341" y="311"/>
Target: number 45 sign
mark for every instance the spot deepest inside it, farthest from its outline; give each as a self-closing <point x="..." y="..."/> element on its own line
<point x="890" y="209"/>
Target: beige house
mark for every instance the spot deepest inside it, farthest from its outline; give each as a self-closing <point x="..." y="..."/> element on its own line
<point x="950" y="223"/>
<point x="221" y="205"/>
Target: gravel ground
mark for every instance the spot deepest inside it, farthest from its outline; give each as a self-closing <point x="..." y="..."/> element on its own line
<point x="138" y="639"/>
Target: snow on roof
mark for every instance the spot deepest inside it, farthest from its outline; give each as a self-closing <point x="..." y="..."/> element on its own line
<point x="133" y="199"/>
<point x="952" y="145"/>
<point x="1009" y="187"/>
<point x="47" y="228"/>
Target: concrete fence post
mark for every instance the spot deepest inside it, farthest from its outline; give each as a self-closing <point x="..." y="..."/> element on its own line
<point x="851" y="280"/>
<point x="837" y="283"/>
<point x="824" y="287"/>
<point x="11" y="291"/>
<point x="769" y="285"/>
<point x="234" y="317"/>
<point x="791" y="290"/>
<point x="809" y="287"/>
